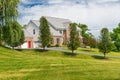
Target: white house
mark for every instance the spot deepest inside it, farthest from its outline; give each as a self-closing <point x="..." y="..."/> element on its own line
<point x="59" y="29"/>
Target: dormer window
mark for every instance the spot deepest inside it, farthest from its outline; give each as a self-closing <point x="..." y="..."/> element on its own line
<point x="34" y="31"/>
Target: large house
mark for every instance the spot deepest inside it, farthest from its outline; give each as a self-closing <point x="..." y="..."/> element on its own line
<point x="59" y="29"/>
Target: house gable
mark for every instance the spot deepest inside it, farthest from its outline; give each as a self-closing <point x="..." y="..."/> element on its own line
<point x="32" y="30"/>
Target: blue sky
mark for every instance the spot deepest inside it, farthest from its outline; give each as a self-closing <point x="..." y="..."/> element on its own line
<point x="94" y="13"/>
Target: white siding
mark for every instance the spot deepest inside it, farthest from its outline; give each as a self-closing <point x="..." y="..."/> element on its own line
<point x="36" y="45"/>
<point x="25" y="45"/>
<point x="30" y="27"/>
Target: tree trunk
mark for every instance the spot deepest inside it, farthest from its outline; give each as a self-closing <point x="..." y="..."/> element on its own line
<point x="72" y="52"/>
<point x="44" y="48"/>
<point x="0" y="42"/>
<point x="104" y="55"/>
<point x="12" y="48"/>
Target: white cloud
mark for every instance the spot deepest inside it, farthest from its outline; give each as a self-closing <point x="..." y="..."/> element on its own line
<point x="25" y="1"/>
<point x="95" y="16"/>
<point x="55" y="1"/>
<point x="102" y="1"/>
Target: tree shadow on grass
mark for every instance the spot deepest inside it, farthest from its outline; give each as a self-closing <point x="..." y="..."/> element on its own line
<point x="100" y="57"/>
<point x="88" y="50"/>
<point x="69" y="54"/>
<point x="19" y="49"/>
<point x="40" y="50"/>
<point x="36" y="50"/>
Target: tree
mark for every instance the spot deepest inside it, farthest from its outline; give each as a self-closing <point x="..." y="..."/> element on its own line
<point x="92" y="42"/>
<point x="115" y="36"/>
<point x="84" y="29"/>
<point x="22" y="38"/>
<point x="10" y="30"/>
<point x="8" y="11"/>
<point x="16" y="35"/>
<point x="74" y="41"/>
<point x="45" y="34"/>
<point x="105" y="42"/>
<point x="86" y="35"/>
<point x="1" y="35"/>
<point x="8" y="14"/>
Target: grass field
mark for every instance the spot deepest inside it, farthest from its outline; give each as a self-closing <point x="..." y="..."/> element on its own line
<point x="55" y="65"/>
<point x="94" y="51"/>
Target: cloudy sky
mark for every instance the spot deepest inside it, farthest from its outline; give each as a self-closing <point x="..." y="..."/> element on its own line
<point x="94" y="13"/>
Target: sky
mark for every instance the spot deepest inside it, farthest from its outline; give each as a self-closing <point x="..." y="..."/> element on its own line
<point x="96" y="14"/>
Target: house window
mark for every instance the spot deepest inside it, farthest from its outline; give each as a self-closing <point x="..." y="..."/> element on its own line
<point x="64" y="31"/>
<point x="60" y="31"/>
<point x="58" y="40"/>
<point x="33" y="31"/>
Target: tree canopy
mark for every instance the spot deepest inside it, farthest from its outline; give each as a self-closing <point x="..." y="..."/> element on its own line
<point x="10" y="29"/>
<point x="115" y="35"/>
<point x="74" y="41"/>
<point x="105" y="41"/>
<point x="44" y="34"/>
<point x="84" y="29"/>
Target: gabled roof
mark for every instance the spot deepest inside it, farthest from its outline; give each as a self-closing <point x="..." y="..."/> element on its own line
<point x="36" y="22"/>
<point x="54" y="32"/>
<point x="56" y="23"/>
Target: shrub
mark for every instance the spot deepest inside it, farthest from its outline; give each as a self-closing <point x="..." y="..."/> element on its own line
<point x="57" y="45"/>
<point x="49" y="45"/>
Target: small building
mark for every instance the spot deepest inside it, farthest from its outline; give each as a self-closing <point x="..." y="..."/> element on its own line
<point x="59" y="29"/>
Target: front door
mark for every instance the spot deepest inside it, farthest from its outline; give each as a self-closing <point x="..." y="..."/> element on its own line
<point x="29" y="44"/>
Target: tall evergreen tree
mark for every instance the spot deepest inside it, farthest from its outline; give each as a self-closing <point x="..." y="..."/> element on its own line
<point x="45" y="34"/>
<point x="74" y="41"/>
<point x="105" y="42"/>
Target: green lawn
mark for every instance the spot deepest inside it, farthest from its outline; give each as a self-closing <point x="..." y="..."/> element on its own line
<point x="94" y="51"/>
<point x="55" y="65"/>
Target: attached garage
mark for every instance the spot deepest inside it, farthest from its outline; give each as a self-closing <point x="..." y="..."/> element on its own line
<point x="25" y="45"/>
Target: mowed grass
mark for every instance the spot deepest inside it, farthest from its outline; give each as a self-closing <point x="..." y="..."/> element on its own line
<point x="55" y="65"/>
<point x="96" y="51"/>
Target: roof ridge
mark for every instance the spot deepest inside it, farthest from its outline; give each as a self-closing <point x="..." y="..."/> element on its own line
<point x="56" y="17"/>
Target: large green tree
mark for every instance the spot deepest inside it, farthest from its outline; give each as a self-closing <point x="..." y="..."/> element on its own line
<point x="84" y="29"/>
<point x="9" y="27"/>
<point x="16" y="35"/>
<point x="45" y="34"/>
<point x="8" y="11"/>
<point x="74" y="41"/>
<point x="85" y="34"/>
<point x="1" y="34"/>
<point x="115" y="35"/>
<point x="105" y="42"/>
